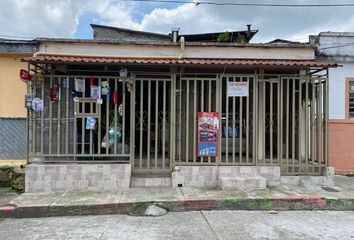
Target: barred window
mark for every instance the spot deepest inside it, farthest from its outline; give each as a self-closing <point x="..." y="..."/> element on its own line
<point x="351" y="99"/>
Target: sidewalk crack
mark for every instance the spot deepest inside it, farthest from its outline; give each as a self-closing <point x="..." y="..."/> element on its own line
<point x="212" y="229"/>
<point x="181" y="190"/>
<point x="56" y="198"/>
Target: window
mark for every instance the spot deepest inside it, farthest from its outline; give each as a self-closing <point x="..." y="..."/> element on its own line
<point x="351" y="99"/>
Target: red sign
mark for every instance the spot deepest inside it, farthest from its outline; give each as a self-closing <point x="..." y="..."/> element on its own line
<point x="25" y="76"/>
<point x="208" y="126"/>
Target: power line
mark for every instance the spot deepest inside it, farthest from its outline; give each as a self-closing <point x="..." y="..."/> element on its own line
<point x="244" y="4"/>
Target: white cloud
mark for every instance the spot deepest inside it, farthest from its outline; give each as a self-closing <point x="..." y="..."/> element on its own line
<point x="54" y="18"/>
<point x="38" y="18"/>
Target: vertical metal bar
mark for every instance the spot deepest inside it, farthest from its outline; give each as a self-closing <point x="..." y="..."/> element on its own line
<point x="91" y="140"/>
<point x="299" y="122"/>
<point x="280" y="120"/>
<point x="164" y="127"/>
<point x="195" y="121"/>
<point x="172" y="127"/>
<point x="287" y="112"/>
<point x="319" y="123"/>
<point x="141" y="124"/>
<point x="240" y="130"/>
<point x="219" y="101"/>
<point x="326" y="119"/>
<point x="115" y="118"/>
<point x="34" y="116"/>
<point x="293" y="124"/>
<point x="67" y="82"/>
<point x="50" y="115"/>
<point x="123" y="116"/>
<point x="227" y="125"/>
<point x="256" y="113"/>
<point x="83" y="129"/>
<point x="202" y="105"/>
<point x="209" y="103"/>
<point x="263" y="122"/>
<point x="75" y="129"/>
<point x="313" y="119"/>
<point x="187" y="122"/>
<point x="59" y="116"/>
<point x="99" y="123"/>
<point x="254" y="122"/>
<point x="271" y="84"/>
<point x="180" y="121"/>
<point x="247" y="121"/>
<point x="132" y="122"/>
<point x="149" y="126"/>
<point x="42" y="116"/>
<point x="218" y="85"/>
<point x="107" y="120"/>
<point x="156" y="120"/>
<point x="233" y="126"/>
<point x="306" y="120"/>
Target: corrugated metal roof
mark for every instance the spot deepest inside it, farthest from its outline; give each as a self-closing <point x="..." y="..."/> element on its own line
<point x="184" y="61"/>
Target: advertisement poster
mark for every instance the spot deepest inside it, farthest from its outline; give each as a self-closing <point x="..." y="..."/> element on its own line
<point x="208" y="125"/>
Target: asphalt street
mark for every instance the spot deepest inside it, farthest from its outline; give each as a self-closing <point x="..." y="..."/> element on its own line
<point x="187" y="225"/>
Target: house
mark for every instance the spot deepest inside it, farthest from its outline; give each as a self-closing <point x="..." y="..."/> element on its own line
<point x="338" y="47"/>
<point x="12" y="111"/>
<point x="112" y="112"/>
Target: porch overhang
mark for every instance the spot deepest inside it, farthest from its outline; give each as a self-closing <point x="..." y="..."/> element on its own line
<point x="181" y="61"/>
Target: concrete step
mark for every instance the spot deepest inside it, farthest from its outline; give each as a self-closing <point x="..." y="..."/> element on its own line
<point x="150" y="181"/>
<point x="242" y="183"/>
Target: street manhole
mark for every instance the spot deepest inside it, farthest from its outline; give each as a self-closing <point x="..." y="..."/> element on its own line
<point x="329" y="189"/>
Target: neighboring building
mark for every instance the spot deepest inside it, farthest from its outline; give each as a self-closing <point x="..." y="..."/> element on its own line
<point x="12" y="91"/>
<point x="120" y="113"/>
<point x="339" y="47"/>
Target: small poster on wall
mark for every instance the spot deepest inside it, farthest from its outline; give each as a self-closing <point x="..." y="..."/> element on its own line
<point x="237" y="89"/>
<point x="208" y="126"/>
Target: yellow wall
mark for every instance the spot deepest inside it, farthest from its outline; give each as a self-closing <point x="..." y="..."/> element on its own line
<point x="12" y="89"/>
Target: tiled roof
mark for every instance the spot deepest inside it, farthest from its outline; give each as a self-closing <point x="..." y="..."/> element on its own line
<point x="183" y="61"/>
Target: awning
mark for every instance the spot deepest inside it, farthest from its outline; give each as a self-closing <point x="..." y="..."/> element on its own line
<point x="183" y="61"/>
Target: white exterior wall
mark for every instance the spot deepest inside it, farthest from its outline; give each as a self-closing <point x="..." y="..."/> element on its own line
<point x="337" y="92"/>
<point x="131" y="50"/>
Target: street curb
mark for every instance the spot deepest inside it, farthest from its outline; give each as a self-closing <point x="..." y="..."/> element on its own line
<point x="138" y="208"/>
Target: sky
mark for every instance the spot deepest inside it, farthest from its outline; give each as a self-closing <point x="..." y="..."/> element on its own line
<point x="71" y="18"/>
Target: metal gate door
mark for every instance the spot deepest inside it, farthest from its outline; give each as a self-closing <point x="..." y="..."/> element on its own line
<point x="194" y="94"/>
<point x="152" y="130"/>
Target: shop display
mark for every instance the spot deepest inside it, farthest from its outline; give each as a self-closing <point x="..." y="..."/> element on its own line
<point x="55" y="92"/>
<point x="79" y="85"/>
<point x="91" y="123"/>
<point x="37" y="105"/>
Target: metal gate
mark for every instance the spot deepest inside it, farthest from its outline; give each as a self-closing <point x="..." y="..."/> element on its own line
<point x="152" y="123"/>
<point x="193" y="94"/>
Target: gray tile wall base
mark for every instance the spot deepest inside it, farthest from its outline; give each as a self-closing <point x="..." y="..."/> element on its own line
<point x="77" y="177"/>
<point x="209" y="176"/>
<point x="327" y="179"/>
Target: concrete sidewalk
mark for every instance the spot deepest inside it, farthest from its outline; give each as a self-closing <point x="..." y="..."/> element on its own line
<point x="134" y="201"/>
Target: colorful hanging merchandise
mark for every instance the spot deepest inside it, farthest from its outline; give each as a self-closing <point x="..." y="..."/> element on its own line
<point x="111" y="135"/>
<point x="55" y="92"/>
<point x="79" y="85"/>
<point x="65" y="82"/>
<point x="95" y="92"/>
<point x="37" y="105"/>
<point x="91" y="123"/>
<point x="105" y="87"/>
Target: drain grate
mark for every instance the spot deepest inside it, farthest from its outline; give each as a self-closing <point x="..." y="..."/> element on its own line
<point x="329" y="189"/>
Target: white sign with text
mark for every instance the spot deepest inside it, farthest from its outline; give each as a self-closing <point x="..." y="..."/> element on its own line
<point x="237" y="89"/>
